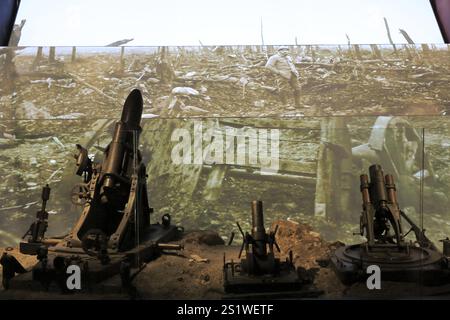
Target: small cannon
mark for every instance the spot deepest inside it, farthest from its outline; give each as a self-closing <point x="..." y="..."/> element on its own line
<point x="260" y="272"/>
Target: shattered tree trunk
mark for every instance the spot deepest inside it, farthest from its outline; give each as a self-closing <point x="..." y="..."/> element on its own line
<point x="313" y="53"/>
<point x="349" y="46"/>
<point x="164" y="68"/>
<point x="122" y="60"/>
<point x="334" y="171"/>
<point x="8" y="84"/>
<point x="52" y="55"/>
<point x="37" y="59"/>
<point x="339" y="50"/>
<point x="413" y="49"/>
<point x="425" y="48"/>
<point x="262" y="32"/>
<point x="406" y="36"/>
<point x="388" y="31"/>
<point x="408" y="52"/>
<point x="309" y="50"/>
<point x="9" y="70"/>
<point x="74" y="54"/>
<point x="357" y="51"/>
<point x="376" y="53"/>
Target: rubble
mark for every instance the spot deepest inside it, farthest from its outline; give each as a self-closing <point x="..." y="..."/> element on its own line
<point x="230" y="83"/>
<point x="200" y="275"/>
<point x="198" y="259"/>
<point x="28" y="110"/>
<point x="185" y="91"/>
<point x="235" y="80"/>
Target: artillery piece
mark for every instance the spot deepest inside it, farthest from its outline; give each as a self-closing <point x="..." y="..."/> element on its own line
<point x="115" y="221"/>
<point x="260" y="272"/>
<point x="386" y="246"/>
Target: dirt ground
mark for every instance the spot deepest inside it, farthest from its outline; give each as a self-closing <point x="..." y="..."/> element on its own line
<point x="196" y="271"/>
<point x="50" y="108"/>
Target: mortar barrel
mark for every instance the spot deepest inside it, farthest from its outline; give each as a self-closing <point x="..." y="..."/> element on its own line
<point x="378" y="185"/>
<point x="258" y="231"/>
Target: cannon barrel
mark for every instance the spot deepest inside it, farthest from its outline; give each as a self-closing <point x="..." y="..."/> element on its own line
<point x="367" y="214"/>
<point x="123" y="137"/>
<point x="364" y="179"/>
<point x="377" y="186"/>
<point x="132" y="110"/>
<point x="258" y="231"/>
<point x="45" y="196"/>
<point x="391" y="189"/>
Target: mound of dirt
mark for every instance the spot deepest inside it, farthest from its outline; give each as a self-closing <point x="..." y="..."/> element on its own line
<point x="196" y="272"/>
<point x="308" y="249"/>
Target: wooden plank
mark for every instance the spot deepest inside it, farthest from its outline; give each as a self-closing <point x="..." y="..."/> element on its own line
<point x="304" y="181"/>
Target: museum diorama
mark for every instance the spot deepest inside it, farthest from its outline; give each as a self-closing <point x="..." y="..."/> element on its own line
<point x="225" y="172"/>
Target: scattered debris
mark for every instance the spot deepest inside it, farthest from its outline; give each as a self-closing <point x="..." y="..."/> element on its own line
<point x="197" y="258"/>
<point x="59" y="143"/>
<point x="185" y="91"/>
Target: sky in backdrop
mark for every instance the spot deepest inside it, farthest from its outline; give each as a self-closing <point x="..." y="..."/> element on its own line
<point x="181" y="22"/>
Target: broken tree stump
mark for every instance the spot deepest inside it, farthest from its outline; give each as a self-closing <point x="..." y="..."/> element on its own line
<point x="407" y="51"/>
<point x="164" y="68"/>
<point x="7" y="88"/>
<point x="74" y="54"/>
<point x="334" y="171"/>
<point x="37" y="60"/>
<point x="388" y="31"/>
<point x="313" y="53"/>
<point x="425" y="48"/>
<point x="376" y="53"/>
<point x="339" y="51"/>
<point x="52" y="55"/>
<point x="357" y="52"/>
<point x="406" y="36"/>
<point x="122" y="60"/>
